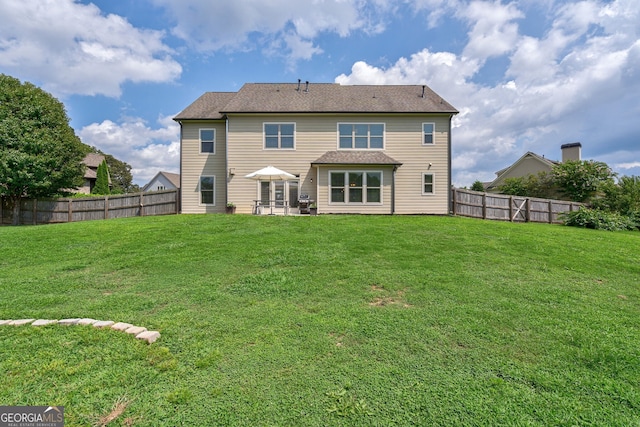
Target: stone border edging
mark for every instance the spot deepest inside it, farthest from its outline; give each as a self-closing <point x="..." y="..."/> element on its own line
<point x="139" y="332"/>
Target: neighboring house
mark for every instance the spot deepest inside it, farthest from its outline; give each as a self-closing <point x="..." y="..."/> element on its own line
<point x="163" y="181"/>
<point x="91" y="161"/>
<point x="351" y="149"/>
<point x="532" y="164"/>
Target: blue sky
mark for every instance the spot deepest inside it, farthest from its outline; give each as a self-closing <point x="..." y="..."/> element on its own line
<point x="526" y="75"/>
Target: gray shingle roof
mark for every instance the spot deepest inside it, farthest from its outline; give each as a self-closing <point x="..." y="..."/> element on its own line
<point x="319" y="98"/>
<point x="355" y="157"/>
<point x="208" y="106"/>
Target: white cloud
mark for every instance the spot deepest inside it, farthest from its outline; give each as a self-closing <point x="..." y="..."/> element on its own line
<point x="74" y="49"/>
<point x="147" y="150"/>
<point x="571" y="84"/>
<point x="292" y="23"/>
<point x="493" y="33"/>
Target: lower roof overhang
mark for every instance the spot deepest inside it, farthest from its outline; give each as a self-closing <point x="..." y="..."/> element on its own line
<point x="355" y="157"/>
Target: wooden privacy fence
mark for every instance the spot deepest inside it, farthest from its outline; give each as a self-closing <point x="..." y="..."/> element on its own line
<point x="33" y="212"/>
<point x="508" y="208"/>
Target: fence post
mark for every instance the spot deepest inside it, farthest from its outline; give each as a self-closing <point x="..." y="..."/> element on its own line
<point x="34" y="211"/>
<point x="106" y="207"/>
<point x="453" y="201"/>
<point x="1" y="212"/>
<point x="550" y="212"/>
<point x="484" y="205"/>
<point x="70" y="211"/>
<point x="511" y="208"/>
<point x="141" y="204"/>
<point x="528" y="211"/>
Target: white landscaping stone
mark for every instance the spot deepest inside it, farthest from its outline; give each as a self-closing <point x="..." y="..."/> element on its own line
<point x="68" y="321"/>
<point x="5" y="322"/>
<point x="86" y="321"/>
<point x="148" y="336"/>
<point x="135" y="330"/>
<point x="43" y="322"/>
<point x="103" y="323"/>
<point x="21" y="322"/>
<point x="120" y="326"/>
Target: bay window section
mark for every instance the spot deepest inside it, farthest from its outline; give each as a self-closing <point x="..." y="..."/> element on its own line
<point x="357" y="187"/>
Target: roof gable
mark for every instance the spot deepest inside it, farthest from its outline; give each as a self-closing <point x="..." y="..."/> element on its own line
<point x="545" y="163"/>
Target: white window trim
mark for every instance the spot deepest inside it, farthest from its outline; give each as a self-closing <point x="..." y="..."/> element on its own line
<point x="206" y="153"/>
<point x="433" y="183"/>
<point x="364" y="188"/>
<point x="433" y="134"/>
<point x="264" y="136"/>
<point x="200" y="190"/>
<point x="384" y="135"/>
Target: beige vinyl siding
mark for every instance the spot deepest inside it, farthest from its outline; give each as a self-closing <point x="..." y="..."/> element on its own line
<point x="196" y="164"/>
<point x="314" y="136"/>
<point x="405" y="144"/>
<point x="317" y="134"/>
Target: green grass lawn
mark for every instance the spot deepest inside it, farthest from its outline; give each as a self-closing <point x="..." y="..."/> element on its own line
<point x="322" y="321"/>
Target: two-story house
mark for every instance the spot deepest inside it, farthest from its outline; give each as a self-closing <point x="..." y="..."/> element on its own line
<point x="349" y="149"/>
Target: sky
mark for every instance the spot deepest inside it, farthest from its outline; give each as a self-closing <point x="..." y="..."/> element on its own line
<point x="526" y="75"/>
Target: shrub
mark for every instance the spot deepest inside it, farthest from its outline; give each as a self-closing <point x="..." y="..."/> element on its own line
<point x="598" y="220"/>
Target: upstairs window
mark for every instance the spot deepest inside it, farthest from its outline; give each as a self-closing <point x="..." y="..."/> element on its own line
<point x="208" y="141"/>
<point x="361" y="136"/>
<point x="427" y="133"/>
<point x="279" y="136"/>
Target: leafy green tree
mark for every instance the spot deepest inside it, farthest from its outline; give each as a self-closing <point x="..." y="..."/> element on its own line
<point x="622" y="197"/>
<point x="121" y="177"/>
<point x="102" y="180"/>
<point x="40" y="155"/>
<point x="477" y="186"/>
<point x="540" y="185"/>
<point x="581" y="180"/>
<point x="515" y="186"/>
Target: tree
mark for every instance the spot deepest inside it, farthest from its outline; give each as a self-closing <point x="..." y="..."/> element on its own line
<point x="40" y="155"/>
<point x="120" y="173"/>
<point x="580" y="180"/>
<point x="102" y="180"/>
<point x="477" y="186"/>
<point x="622" y="197"/>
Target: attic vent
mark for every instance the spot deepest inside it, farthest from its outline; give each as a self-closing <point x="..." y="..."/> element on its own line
<point x="306" y="89"/>
<point x="299" y="81"/>
<point x="423" y="89"/>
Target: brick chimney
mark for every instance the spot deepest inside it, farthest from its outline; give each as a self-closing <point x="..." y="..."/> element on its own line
<point x="571" y="151"/>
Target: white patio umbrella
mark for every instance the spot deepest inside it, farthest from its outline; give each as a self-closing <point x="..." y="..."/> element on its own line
<point x="270" y="173"/>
